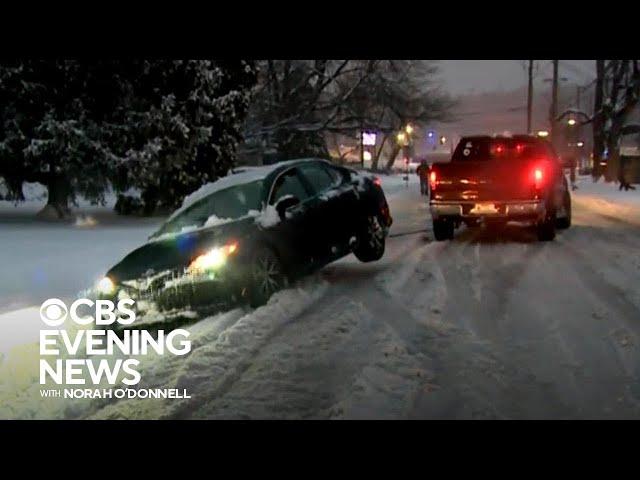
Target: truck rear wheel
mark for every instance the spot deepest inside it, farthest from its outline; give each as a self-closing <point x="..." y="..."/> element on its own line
<point x="442" y="230"/>
<point x="546" y="229"/>
<point x="565" y="222"/>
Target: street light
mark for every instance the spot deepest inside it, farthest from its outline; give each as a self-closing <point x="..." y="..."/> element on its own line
<point x="443" y="140"/>
<point x="543" y="133"/>
<point x="571" y="122"/>
<point x="580" y="144"/>
<point x="404" y="140"/>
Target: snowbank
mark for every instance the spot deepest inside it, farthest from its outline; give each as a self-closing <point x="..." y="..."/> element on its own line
<point x="222" y="345"/>
<point x="606" y="199"/>
<point x="19" y="327"/>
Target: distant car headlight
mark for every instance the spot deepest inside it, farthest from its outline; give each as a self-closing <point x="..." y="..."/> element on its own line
<point x="213" y="259"/>
<point x="106" y="286"/>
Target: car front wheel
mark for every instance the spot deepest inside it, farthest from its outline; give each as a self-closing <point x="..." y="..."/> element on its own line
<point x="371" y="241"/>
<point x="267" y="276"/>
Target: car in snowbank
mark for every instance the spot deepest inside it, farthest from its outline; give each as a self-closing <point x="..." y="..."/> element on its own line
<point x="248" y="234"/>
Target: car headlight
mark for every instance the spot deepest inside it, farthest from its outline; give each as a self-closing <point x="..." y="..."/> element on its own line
<point x="106" y="286"/>
<point x="213" y="259"/>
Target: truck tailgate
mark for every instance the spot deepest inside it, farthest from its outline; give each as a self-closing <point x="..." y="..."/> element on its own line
<point x="485" y="180"/>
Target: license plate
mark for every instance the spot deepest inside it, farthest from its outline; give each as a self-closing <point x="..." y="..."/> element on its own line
<point x="484" y="209"/>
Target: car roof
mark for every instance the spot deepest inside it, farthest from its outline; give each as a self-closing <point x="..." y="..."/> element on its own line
<point x="246" y="175"/>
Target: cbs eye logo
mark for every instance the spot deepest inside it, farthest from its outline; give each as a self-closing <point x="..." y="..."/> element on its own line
<point x="53" y="312"/>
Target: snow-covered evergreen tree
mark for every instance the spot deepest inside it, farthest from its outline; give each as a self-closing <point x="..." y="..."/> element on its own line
<point x="164" y="127"/>
<point x="179" y="126"/>
<point x="47" y="133"/>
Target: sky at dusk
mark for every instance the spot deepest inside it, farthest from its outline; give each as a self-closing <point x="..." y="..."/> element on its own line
<point x="465" y="76"/>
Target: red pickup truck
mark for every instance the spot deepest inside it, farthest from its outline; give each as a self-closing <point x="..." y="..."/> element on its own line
<point x="497" y="179"/>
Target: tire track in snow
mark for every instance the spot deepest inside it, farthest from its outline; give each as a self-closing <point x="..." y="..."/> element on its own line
<point x="217" y="362"/>
<point x="377" y="343"/>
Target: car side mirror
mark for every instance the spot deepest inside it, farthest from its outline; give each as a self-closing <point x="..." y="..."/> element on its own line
<point x="285" y="204"/>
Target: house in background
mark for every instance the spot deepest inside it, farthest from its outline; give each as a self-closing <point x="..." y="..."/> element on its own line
<point x="630" y="151"/>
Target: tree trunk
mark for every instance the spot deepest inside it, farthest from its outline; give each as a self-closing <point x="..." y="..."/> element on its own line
<point x="336" y="144"/>
<point x="598" y="122"/>
<point x="392" y="157"/>
<point x="149" y="200"/>
<point x="376" y="158"/>
<point x="613" y="159"/>
<point x="622" y="178"/>
<point x="58" y="195"/>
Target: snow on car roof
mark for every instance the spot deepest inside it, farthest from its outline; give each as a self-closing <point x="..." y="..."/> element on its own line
<point x="245" y="175"/>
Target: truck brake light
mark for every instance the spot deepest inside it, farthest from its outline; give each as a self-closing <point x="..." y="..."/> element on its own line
<point x="433" y="180"/>
<point x="538" y="177"/>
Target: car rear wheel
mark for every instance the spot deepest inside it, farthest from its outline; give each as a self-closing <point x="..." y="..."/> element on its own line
<point x="442" y="230"/>
<point x="267" y="276"/>
<point x="371" y="241"/>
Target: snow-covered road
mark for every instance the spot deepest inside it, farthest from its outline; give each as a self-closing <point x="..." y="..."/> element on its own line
<point x="489" y="325"/>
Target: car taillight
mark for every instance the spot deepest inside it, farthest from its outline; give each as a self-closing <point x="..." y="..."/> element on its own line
<point x="433" y="180"/>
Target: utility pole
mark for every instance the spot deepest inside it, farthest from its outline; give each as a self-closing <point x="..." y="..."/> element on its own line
<point x="530" y="96"/>
<point x="361" y="145"/>
<point x="554" y="102"/>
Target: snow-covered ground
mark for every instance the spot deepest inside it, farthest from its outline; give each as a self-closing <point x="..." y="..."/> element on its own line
<point x="41" y="259"/>
<point x="607" y="199"/>
<point x="489" y="325"/>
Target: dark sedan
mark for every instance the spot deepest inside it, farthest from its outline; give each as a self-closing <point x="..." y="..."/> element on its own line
<point x="248" y="234"/>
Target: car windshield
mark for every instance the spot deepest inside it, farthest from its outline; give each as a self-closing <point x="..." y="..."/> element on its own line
<point x="219" y="207"/>
<point x="474" y="149"/>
